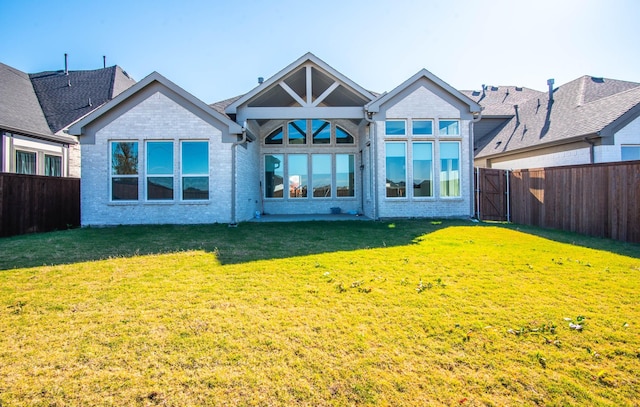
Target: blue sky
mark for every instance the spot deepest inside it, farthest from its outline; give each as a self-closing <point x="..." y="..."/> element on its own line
<point x="217" y="49"/>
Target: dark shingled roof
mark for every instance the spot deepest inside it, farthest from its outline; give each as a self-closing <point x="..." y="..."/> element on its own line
<point x="583" y="107"/>
<point x="222" y="105"/>
<point x="19" y="107"/>
<point x="66" y="98"/>
<point x="499" y="100"/>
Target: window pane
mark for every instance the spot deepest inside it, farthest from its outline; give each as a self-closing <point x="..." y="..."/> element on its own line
<point x="630" y="153"/>
<point x="124" y="189"/>
<point x="195" y="157"/>
<point x="321" y="175"/>
<point x="160" y="157"/>
<point x="422" y="169"/>
<point x="395" y="128"/>
<point x="396" y="170"/>
<point x="160" y="188"/>
<point x="321" y="132"/>
<point x="124" y="158"/>
<point x="345" y="175"/>
<point x="273" y="176"/>
<point x="450" y="169"/>
<point x="53" y="165"/>
<point x="342" y="137"/>
<point x="25" y="162"/>
<point x="422" y="127"/>
<point x="195" y="188"/>
<point x="297" y="176"/>
<point x="449" y="127"/>
<point x="298" y="132"/>
<point x="275" y="137"/>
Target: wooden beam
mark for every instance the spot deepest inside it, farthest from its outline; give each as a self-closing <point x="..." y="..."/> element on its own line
<point x="292" y="93"/>
<point x="325" y="94"/>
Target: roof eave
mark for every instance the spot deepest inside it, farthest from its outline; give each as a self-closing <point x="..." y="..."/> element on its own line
<point x="42" y="136"/>
<point x="570" y="140"/>
<point x="77" y="128"/>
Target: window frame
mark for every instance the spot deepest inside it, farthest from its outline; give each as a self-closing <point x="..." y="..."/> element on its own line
<point x="113" y="175"/>
<point x="195" y="175"/>
<point x="447" y="134"/>
<point x="404" y="128"/>
<point x="431" y="170"/>
<point x="386" y="152"/>
<point x="459" y="170"/>
<point x="26" y="152"/>
<point x="46" y="167"/>
<point x="148" y="174"/>
<point x="632" y="147"/>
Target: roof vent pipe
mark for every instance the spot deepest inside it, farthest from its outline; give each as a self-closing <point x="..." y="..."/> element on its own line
<point x="66" y="64"/>
<point x="550" y="83"/>
<point x="260" y="80"/>
<point x="483" y="89"/>
<point x="104" y="61"/>
<point x="517" y="114"/>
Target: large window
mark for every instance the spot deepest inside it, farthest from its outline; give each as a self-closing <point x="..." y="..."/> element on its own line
<point x="274" y="175"/>
<point x="342" y="137"/>
<point x="630" y="153"/>
<point x="321" y="175"/>
<point x="450" y="169"/>
<point x="298" y="176"/>
<point x="124" y="170"/>
<point x="275" y="137"/>
<point x="25" y="162"/>
<point x="396" y="161"/>
<point x="195" y="170"/>
<point x="52" y="165"/>
<point x="422" y="127"/>
<point x="422" y="169"/>
<point x="345" y="175"/>
<point x="159" y="170"/>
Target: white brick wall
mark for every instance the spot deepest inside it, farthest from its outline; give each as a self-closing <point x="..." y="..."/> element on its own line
<point x="156" y="117"/>
<point x="419" y="101"/>
<point x="630" y="134"/>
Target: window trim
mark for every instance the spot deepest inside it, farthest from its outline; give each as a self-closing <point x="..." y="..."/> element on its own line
<point x="131" y="176"/>
<point x="184" y="175"/>
<point x="148" y="175"/>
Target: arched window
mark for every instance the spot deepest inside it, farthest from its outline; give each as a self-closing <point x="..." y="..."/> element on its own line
<point x="342" y="137"/>
<point x="321" y="132"/>
<point x="275" y="137"/>
<point x="297" y="132"/>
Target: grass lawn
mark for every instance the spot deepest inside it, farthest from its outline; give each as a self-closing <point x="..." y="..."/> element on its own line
<point x="399" y="313"/>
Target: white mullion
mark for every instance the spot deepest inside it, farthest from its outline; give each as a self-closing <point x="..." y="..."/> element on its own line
<point x="325" y="94"/>
<point x="293" y="94"/>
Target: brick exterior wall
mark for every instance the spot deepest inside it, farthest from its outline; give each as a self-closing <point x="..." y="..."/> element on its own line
<point x="423" y="101"/>
<point x="157" y="117"/>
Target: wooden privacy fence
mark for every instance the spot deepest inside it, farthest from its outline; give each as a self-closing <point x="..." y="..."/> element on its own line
<point x="32" y="203"/>
<point x="598" y="199"/>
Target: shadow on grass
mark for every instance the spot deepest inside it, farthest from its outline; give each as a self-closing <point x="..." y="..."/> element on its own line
<point x="248" y="242"/>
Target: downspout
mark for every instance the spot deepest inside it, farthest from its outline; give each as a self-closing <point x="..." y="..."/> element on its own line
<point x="592" y="152"/>
<point x="475" y="119"/>
<point x="234" y="147"/>
<point x="374" y="152"/>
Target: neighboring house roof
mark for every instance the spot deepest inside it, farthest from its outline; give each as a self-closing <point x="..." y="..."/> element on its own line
<point x="374" y="106"/>
<point x="587" y="107"/>
<point x="222" y="105"/>
<point x="20" y="110"/>
<point x="498" y="101"/>
<point x="308" y="57"/>
<point x="154" y="77"/>
<point x="64" y="98"/>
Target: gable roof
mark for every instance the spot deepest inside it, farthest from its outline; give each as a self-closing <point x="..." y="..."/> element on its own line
<point x="66" y="97"/>
<point x="374" y="106"/>
<point x="20" y="110"/>
<point x="308" y="57"/>
<point x="154" y="77"/>
<point x="585" y="107"/>
<point x="498" y="101"/>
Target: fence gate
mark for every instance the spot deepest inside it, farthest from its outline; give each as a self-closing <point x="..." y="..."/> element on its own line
<point x="491" y="194"/>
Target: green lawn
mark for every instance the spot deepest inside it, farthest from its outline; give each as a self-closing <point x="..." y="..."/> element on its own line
<point x="446" y="313"/>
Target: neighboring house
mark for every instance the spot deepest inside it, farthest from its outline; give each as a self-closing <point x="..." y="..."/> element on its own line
<point x="588" y="120"/>
<point x="36" y="109"/>
<point x="306" y="141"/>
